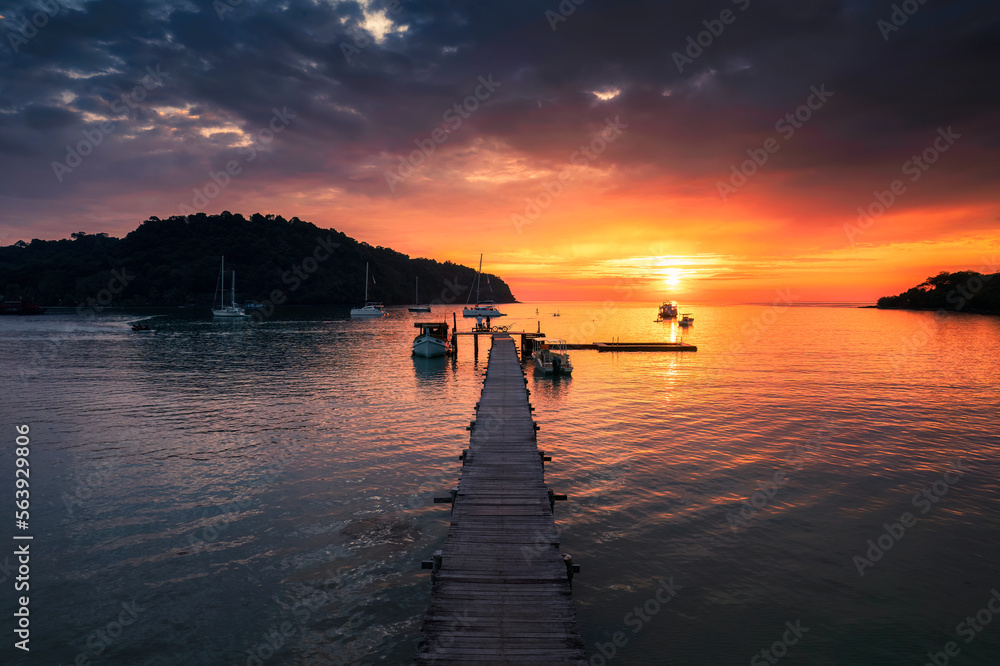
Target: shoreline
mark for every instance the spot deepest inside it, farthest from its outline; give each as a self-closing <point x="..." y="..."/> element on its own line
<point x="994" y="313"/>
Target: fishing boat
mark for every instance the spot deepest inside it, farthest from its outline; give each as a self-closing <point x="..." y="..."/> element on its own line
<point x="231" y="310"/>
<point x="550" y="356"/>
<point x="484" y="309"/>
<point x="432" y="339"/>
<point x="667" y="311"/>
<point x="19" y="307"/>
<point x="686" y="320"/>
<point x="416" y="299"/>
<point x="370" y="308"/>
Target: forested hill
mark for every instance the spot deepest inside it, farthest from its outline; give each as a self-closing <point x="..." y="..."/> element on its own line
<point x="176" y="262"/>
<point x="964" y="291"/>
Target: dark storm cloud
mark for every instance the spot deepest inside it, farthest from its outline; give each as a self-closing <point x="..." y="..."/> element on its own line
<point x="891" y="91"/>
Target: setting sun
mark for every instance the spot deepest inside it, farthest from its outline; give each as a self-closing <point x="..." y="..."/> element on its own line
<point x="672" y="276"/>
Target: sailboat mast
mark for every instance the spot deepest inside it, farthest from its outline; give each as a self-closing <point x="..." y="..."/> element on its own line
<point x="222" y="289"/>
<point x="479" y="275"/>
<point x="234" y="289"/>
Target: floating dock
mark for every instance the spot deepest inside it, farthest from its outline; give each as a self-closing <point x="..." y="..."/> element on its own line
<point x="501" y="589"/>
<point x="636" y="346"/>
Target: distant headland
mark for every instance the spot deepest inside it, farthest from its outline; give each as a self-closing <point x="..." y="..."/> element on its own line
<point x="175" y="261"/>
<point x="963" y="291"/>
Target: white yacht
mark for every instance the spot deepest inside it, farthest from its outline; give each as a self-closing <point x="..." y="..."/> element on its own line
<point x="370" y="308"/>
<point x="484" y="309"/>
<point x="231" y="310"/>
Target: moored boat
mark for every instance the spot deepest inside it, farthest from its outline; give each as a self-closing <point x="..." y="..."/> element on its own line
<point x="484" y="309"/>
<point x="19" y="307"/>
<point x="370" y="308"/>
<point x="686" y="320"/>
<point x="550" y="356"/>
<point x="416" y="299"/>
<point x="227" y="311"/>
<point x="668" y="310"/>
<point x="432" y="339"/>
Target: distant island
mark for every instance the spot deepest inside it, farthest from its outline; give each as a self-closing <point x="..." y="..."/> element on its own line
<point x="175" y="261"/>
<point x="963" y="291"/>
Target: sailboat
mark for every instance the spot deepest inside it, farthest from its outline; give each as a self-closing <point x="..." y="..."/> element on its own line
<point x="231" y="310"/>
<point x="416" y="299"/>
<point x="481" y="308"/>
<point x="370" y="308"/>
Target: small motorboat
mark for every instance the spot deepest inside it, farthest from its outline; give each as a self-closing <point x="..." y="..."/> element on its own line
<point x="18" y="307"/>
<point x="550" y="356"/>
<point x="432" y="339"/>
<point x="667" y="311"/>
<point x="686" y="320"/>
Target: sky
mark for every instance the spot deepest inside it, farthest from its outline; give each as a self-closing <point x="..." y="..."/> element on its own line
<point x="726" y="151"/>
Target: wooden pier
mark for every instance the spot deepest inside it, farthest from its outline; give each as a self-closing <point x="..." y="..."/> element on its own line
<point x="501" y="588"/>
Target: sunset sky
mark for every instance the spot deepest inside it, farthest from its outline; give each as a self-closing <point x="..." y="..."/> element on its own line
<point x="579" y="147"/>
